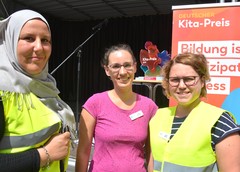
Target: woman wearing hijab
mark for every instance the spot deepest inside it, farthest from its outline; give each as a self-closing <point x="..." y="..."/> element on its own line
<point x="34" y="119"/>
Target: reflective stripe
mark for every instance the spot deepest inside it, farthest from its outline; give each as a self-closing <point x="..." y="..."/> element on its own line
<point x="9" y="142"/>
<point x="157" y="165"/>
<point x="169" y="167"/>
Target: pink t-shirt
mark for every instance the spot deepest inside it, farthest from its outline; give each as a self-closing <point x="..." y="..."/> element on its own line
<point x="119" y="139"/>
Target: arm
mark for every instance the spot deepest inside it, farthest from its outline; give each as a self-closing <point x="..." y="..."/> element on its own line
<point x="31" y="160"/>
<point x="228" y="153"/>
<point x="18" y="162"/>
<point x="150" y="163"/>
<point x="149" y="158"/>
<point x="86" y="129"/>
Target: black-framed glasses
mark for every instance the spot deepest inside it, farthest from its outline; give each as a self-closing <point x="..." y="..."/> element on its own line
<point x="115" y="67"/>
<point x="187" y="80"/>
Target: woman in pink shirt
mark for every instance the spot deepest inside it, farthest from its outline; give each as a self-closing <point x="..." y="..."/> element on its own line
<point x="117" y="119"/>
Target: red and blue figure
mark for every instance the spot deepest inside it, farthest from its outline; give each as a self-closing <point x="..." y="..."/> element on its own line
<point x="152" y="60"/>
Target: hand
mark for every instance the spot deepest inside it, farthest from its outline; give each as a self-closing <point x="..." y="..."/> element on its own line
<point x="57" y="147"/>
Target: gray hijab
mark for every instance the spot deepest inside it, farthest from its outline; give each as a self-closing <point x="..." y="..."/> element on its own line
<point x="13" y="79"/>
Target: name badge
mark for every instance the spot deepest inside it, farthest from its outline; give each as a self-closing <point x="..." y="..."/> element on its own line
<point x="136" y="115"/>
<point x="164" y="135"/>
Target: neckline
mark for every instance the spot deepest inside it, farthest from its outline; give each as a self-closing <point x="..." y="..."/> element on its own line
<point x="121" y="107"/>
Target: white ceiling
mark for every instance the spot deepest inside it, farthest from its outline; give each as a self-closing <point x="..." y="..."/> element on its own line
<point x="81" y="10"/>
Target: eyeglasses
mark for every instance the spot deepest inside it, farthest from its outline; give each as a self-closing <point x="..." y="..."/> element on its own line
<point x="188" y="80"/>
<point x="115" y="67"/>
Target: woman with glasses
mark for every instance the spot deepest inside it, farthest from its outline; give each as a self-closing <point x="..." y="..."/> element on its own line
<point x="192" y="136"/>
<point x="117" y="119"/>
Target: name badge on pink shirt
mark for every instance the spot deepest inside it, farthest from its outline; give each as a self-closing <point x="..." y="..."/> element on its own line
<point x="136" y="115"/>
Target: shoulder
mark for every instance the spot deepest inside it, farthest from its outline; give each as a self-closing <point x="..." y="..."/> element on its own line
<point x="227" y="122"/>
<point x="147" y="105"/>
<point x="224" y="126"/>
<point x="166" y="110"/>
<point x="100" y="94"/>
<point x="164" y="113"/>
<point x="96" y="103"/>
<point x="97" y="96"/>
<point x="95" y="99"/>
<point x="144" y="99"/>
<point x="209" y="107"/>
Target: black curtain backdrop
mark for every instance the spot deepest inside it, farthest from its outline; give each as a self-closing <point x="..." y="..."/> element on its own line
<point x="67" y="36"/>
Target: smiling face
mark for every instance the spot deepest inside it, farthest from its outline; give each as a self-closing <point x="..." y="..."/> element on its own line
<point x="121" y="69"/>
<point x="34" y="46"/>
<point x="183" y="94"/>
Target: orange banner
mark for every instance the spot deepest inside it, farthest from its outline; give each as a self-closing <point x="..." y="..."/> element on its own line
<point x="213" y="30"/>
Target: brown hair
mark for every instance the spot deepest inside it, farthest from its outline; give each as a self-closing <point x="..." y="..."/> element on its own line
<point x="105" y="59"/>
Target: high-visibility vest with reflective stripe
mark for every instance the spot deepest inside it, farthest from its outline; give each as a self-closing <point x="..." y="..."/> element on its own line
<point x="29" y="124"/>
<point x="190" y="149"/>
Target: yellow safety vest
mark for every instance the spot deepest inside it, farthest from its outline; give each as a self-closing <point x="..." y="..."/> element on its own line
<point x="190" y="148"/>
<point x="29" y="124"/>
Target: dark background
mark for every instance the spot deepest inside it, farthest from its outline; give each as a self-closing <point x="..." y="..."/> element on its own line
<point x="68" y="35"/>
